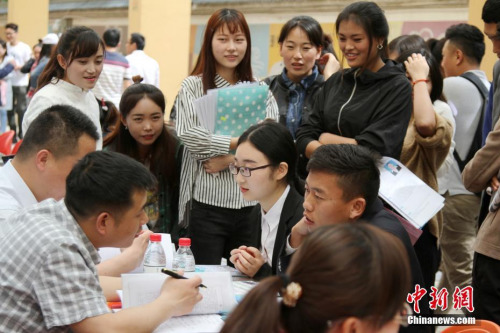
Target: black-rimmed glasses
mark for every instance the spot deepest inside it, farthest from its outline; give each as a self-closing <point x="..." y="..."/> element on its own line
<point x="245" y="171"/>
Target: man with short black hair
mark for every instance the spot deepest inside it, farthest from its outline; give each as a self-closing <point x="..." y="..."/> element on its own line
<point x="60" y="136"/>
<point x="49" y="253"/>
<point x="466" y="86"/>
<point x="115" y="76"/>
<point x="57" y="139"/>
<point x="140" y="63"/>
<point x="21" y="52"/>
<point x="342" y="187"/>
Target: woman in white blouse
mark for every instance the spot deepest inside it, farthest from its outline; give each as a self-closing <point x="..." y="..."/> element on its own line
<point x="265" y="170"/>
<point x="218" y="220"/>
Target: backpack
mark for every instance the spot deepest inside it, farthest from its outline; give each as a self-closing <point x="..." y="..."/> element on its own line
<point x="477" y="139"/>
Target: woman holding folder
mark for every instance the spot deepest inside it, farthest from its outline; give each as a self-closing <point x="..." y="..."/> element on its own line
<point x="218" y="220"/>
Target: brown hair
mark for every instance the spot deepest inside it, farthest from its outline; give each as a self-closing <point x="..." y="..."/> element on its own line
<point x="344" y="270"/>
<point x="206" y="63"/>
<point x="163" y="150"/>
<point x="76" y="42"/>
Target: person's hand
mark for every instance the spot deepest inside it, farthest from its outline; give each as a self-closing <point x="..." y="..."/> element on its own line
<point x="494" y="183"/>
<point x="135" y="252"/>
<point x="235" y="253"/>
<point x="417" y="67"/>
<point x="13" y="63"/>
<point x="218" y="163"/>
<point x="328" y="65"/>
<point x="182" y="294"/>
<point x="248" y="260"/>
<point x="299" y="232"/>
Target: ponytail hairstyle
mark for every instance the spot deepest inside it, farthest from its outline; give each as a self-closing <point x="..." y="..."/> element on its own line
<point x="163" y="150"/>
<point x="371" y="18"/>
<point x="206" y="63"/>
<point x="340" y="271"/>
<point x="76" y="42"/>
<point x="276" y="143"/>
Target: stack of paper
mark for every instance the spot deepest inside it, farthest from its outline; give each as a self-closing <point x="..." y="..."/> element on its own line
<point x="230" y="111"/>
<point x="407" y="193"/>
<point x="218" y="297"/>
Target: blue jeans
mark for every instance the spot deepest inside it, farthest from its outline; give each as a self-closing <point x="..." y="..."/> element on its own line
<point x="3" y="121"/>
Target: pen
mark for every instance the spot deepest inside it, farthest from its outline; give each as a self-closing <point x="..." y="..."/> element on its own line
<point x="177" y="276"/>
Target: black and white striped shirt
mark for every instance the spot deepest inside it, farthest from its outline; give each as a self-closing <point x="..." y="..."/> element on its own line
<point x="220" y="189"/>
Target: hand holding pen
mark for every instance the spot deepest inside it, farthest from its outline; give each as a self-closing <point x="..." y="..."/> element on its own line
<point x="177" y="276"/>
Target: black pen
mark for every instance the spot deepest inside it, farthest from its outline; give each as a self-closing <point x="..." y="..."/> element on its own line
<point x="177" y="276"/>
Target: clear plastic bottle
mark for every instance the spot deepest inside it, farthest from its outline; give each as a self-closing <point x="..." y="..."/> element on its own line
<point x="155" y="259"/>
<point x="184" y="258"/>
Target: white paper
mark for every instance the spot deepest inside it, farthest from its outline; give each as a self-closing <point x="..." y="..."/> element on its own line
<point x="185" y="324"/>
<point x="407" y="193"/>
<point x="219" y="268"/>
<point x="140" y="289"/>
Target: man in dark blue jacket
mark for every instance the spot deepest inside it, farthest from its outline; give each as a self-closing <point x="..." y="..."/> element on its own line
<point x="342" y="187"/>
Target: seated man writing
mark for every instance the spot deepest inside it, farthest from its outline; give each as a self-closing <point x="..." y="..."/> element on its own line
<point x="49" y="251"/>
<point x="57" y="139"/>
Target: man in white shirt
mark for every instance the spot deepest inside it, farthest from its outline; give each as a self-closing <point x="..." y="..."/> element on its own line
<point x="21" y="53"/>
<point x="462" y="53"/>
<point x="140" y="63"/>
<point x="57" y="139"/>
<point x="50" y="149"/>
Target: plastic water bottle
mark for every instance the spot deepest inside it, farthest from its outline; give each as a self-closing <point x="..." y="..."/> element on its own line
<point x="155" y="259"/>
<point x="183" y="258"/>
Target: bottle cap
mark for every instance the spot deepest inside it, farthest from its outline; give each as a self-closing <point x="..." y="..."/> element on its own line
<point x="184" y="241"/>
<point x="155" y="237"/>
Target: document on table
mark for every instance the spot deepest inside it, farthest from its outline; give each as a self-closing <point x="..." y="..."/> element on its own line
<point x="188" y="324"/>
<point x="139" y="289"/>
<point x="219" y="268"/>
<point x="407" y="193"/>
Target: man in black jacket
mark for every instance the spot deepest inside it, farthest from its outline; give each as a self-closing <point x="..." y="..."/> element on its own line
<point x="342" y="187"/>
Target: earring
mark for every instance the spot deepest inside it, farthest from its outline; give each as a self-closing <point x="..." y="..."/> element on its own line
<point x="126" y="128"/>
<point x="380" y="46"/>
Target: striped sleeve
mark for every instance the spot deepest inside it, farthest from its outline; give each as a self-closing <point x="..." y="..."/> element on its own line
<point x="199" y="141"/>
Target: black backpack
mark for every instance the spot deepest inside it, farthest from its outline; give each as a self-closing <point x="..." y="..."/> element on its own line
<point x="477" y="139"/>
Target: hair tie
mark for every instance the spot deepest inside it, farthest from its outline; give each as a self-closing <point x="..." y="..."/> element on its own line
<point x="104" y="107"/>
<point x="291" y="291"/>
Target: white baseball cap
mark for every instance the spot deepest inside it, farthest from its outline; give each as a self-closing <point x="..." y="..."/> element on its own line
<point x="50" y="39"/>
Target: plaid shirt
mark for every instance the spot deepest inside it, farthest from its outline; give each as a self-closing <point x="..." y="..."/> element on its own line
<point x="48" y="278"/>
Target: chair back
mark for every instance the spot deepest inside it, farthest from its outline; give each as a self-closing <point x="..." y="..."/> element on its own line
<point x="16" y="147"/>
<point x="6" y="142"/>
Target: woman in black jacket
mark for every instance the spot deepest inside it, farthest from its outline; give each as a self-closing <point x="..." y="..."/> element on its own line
<point x="369" y="104"/>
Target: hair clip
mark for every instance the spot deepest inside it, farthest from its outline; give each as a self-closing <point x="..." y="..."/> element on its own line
<point x="291" y="294"/>
<point x="104" y="107"/>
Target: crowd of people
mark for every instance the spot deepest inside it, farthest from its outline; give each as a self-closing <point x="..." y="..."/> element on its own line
<point x="292" y="201"/>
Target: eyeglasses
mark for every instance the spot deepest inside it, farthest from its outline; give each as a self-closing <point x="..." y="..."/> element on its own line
<point x="245" y="172"/>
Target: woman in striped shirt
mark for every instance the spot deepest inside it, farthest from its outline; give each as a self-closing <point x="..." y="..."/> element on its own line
<point x="218" y="220"/>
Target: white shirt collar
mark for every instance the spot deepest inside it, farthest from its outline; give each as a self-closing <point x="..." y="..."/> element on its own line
<point x="269" y="226"/>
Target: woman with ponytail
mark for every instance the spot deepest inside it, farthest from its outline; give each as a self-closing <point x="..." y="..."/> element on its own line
<point x="344" y="278"/>
<point x="265" y="170"/>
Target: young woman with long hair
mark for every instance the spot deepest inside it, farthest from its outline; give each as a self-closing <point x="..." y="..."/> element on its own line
<point x="218" y="219"/>
<point x="143" y="135"/>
